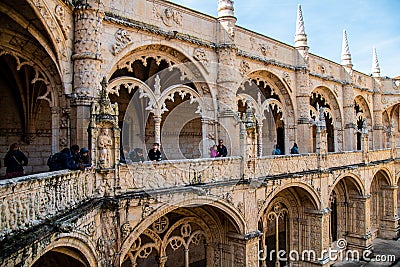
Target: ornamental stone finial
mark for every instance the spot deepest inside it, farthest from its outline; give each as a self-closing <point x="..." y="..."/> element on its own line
<point x="300" y="39"/>
<point x="376" y="71"/>
<point x="346" y="56"/>
<point x="225" y="8"/>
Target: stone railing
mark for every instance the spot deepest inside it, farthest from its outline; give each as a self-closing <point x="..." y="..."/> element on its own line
<point x="380" y="154"/>
<point x="30" y="200"/>
<point x="275" y="165"/>
<point x="175" y="173"/>
<point x="338" y="159"/>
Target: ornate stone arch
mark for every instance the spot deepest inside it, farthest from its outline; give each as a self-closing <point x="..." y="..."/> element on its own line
<point x="355" y="179"/>
<point x="366" y="110"/>
<point x="265" y="85"/>
<point x="212" y="224"/>
<point x="277" y="86"/>
<point x="312" y="194"/>
<point x="73" y="240"/>
<point x="182" y="91"/>
<point x="386" y="174"/>
<point x="332" y="108"/>
<point x="57" y="29"/>
<point x="174" y="58"/>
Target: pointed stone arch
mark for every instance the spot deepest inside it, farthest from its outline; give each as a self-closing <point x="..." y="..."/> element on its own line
<point x="348" y="203"/>
<point x="383" y="204"/>
<point x="172" y="56"/>
<point x="362" y="112"/>
<point x="33" y="99"/>
<point x="275" y="90"/>
<point x="324" y="97"/>
<point x="284" y="217"/>
<point x="175" y="81"/>
<point x="184" y="216"/>
<point x="74" y="245"/>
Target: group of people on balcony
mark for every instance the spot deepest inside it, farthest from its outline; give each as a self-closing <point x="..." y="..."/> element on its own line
<point x="67" y="159"/>
<point x="78" y="159"/>
<point x="70" y="159"/>
<point x="219" y="150"/>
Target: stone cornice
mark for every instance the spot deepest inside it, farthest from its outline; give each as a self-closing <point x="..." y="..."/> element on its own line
<point x="156" y="30"/>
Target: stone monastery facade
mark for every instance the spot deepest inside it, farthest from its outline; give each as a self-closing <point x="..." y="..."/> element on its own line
<point x="120" y="75"/>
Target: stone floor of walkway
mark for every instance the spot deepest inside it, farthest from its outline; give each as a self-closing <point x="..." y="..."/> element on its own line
<point x="383" y="249"/>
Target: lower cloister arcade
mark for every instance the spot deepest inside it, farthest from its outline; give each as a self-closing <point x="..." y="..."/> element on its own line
<point x="197" y="236"/>
<point x="289" y="223"/>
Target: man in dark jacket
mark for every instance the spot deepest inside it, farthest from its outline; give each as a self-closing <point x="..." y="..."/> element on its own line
<point x="155" y="153"/>
<point x="67" y="160"/>
<point x="222" y="151"/>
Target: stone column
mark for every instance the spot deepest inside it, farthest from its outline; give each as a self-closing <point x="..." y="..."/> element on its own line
<point x="319" y="237"/>
<point x="252" y="251"/>
<point x="228" y="78"/>
<point x="87" y="66"/>
<point x="365" y="146"/>
<point x="304" y="136"/>
<point x="157" y="128"/>
<point x="243" y="147"/>
<point x="348" y="112"/>
<point x="389" y="224"/>
<point x="55" y="129"/>
<point x="378" y="126"/>
<point x="162" y="261"/>
<point x="259" y="140"/>
<point x="359" y="229"/>
<point x="80" y="119"/>
<point x="208" y="136"/>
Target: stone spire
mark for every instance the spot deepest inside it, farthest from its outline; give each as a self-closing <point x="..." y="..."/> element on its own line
<point x="346" y="56"/>
<point x="376" y="71"/>
<point x="225" y="8"/>
<point x="300" y="39"/>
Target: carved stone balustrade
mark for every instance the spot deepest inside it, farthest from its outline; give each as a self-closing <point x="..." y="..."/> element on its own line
<point x="30" y="200"/>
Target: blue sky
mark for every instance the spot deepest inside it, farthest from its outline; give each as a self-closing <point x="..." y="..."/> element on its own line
<point x="368" y="23"/>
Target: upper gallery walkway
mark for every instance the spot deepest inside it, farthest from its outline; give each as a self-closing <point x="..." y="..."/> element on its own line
<point x="37" y="199"/>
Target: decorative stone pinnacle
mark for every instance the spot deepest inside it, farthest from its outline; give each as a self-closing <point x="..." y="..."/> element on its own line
<point x="376" y="71"/>
<point x="225" y="8"/>
<point x="300" y="39"/>
<point x="346" y="56"/>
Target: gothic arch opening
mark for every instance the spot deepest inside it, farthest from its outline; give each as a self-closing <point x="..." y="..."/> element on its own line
<point x="347" y="206"/>
<point x="195" y="236"/>
<point x="319" y="102"/>
<point x="394" y="125"/>
<point x="30" y="84"/>
<point x="25" y="110"/>
<point x="283" y="224"/>
<point x="165" y="113"/>
<point x="362" y="119"/>
<point x="276" y="110"/>
<point x="62" y="257"/>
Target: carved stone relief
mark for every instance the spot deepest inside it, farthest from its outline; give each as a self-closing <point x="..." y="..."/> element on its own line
<point x="168" y="16"/>
<point x="123" y="39"/>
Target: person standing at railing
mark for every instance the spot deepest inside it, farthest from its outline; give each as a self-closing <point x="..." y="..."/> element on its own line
<point x="294" y="149"/>
<point x="155" y="153"/>
<point x="277" y="150"/>
<point x="222" y="151"/>
<point x="15" y="160"/>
